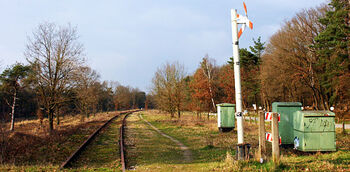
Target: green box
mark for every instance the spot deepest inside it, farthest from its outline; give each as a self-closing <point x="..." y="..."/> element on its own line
<point x="226" y="116"/>
<point x="285" y="126"/>
<point x="314" y="131"/>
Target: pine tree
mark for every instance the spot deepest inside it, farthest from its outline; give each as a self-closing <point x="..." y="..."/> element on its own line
<point x="11" y="79"/>
<point x="334" y="59"/>
<point x="333" y="49"/>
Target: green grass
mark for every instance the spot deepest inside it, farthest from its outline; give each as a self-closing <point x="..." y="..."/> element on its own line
<point x="103" y="153"/>
<point x="203" y="138"/>
<point x="214" y="151"/>
<point x="154" y="152"/>
<point x="147" y="148"/>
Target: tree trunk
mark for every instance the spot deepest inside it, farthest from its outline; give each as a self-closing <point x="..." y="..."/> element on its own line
<point x="13" y="111"/>
<point x="208" y="74"/>
<point x="51" y="116"/>
<point x="58" y="119"/>
<point x="256" y="104"/>
<point x="323" y="103"/>
<point x="316" y="103"/>
<point x="57" y="116"/>
<point x="211" y="97"/>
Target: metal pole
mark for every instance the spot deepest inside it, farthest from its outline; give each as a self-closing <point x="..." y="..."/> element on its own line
<point x="236" y="66"/>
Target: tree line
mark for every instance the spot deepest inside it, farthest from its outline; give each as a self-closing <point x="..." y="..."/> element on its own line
<point x="306" y="60"/>
<point x="57" y="81"/>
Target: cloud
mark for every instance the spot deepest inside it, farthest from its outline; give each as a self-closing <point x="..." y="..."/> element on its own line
<point x="142" y="35"/>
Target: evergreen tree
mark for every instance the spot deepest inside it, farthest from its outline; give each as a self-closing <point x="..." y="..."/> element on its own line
<point x="250" y="61"/>
<point x="333" y="49"/>
<point x="258" y="48"/>
<point x="11" y="80"/>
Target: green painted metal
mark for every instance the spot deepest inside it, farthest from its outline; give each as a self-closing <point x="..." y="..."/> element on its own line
<point x="226" y="116"/>
<point x="314" y="130"/>
<point x="285" y="126"/>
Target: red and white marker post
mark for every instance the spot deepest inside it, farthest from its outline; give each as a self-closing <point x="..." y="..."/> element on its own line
<point x="269" y="138"/>
<point x="273" y="137"/>
<point x="268" y="116"/>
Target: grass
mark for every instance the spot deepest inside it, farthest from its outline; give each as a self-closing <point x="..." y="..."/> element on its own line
<point x="103" y="152"/>
<point x="31" y="148"/>
<point x="147" y="150"/>
<point x="214" y="151"/>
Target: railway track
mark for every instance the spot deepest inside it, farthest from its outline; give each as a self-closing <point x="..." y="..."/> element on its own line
<point x="121" y="143"/>
<point x="70" y="160"/>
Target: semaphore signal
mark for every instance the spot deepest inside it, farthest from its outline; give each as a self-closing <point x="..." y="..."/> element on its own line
<point x="235" y="20"/>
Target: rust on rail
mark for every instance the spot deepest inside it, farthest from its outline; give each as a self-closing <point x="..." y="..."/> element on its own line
<point x="121" y="142"/>
<point x="76" y="153"/>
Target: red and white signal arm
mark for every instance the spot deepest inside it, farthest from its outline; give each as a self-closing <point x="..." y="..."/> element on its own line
<point x="269" y="138"/>
<point x="268" y="116"/>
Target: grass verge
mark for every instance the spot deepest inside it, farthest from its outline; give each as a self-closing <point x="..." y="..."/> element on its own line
<point x="214" y="151"/>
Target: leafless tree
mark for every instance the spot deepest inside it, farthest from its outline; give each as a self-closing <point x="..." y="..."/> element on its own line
<point x="123" y="97"/>
<point x="55" y="55"/>
<point x="85" y="91"/>
<point x="168" y="88"/>
<point x="208" y="65"/>
<point x="288" y="72"/>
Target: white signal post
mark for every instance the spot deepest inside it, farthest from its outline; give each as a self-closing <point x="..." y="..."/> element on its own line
<point x="237" y="73"/>
<point x="235" y="20"/>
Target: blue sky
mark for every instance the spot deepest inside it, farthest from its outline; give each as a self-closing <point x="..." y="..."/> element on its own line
<point x="127" y="40"/>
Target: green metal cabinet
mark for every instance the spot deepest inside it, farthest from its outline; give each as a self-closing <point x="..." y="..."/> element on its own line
<point x="226" y="116"/>
<point x="314" y="131"/>
<point x="285" y="126"/>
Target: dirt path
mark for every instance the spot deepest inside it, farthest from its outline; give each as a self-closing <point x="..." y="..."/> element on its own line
<point x="186" y="151"/>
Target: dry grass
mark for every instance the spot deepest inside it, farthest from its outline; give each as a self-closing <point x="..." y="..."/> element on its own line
<point x="30" y="148"/>
<point x="31" y="144"/>
<point x="214" y="151"/>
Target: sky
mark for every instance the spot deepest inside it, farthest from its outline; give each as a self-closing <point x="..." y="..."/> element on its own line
<point x="128" y="40"/>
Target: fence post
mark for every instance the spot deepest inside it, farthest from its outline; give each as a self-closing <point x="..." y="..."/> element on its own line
<point x="275" y="139"/>
<point x="262" y="147"/>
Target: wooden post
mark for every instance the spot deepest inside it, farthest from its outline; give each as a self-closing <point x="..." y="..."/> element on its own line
<point x="262" y="141"/>
<point x="275" y="139"/>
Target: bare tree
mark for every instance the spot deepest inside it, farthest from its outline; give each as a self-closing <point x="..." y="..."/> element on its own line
<point x="168" y="88"/>
<point x="207" y="66"/>
<point x="123" y="97"/>
<point x="289" y="70"/>
<point x="55" y="55"/>
<point x="85" y="91"/>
